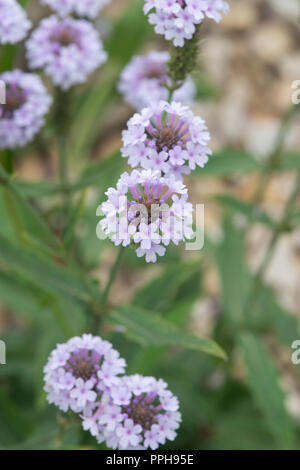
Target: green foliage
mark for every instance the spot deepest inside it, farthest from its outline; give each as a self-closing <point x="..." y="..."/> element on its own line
<point x="263" y="380"/>
<point x="148" y="328"/>
<point x="50" y="288"/>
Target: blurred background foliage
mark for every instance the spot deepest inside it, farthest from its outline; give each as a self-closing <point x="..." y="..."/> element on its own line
<point x="240" y="292"/>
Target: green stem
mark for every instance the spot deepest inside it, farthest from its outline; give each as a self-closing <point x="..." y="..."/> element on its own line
<point x="114" y="270"/>
<point x="280" y="228"/>
<point x="63" y="172"/>
<point x="112" y="275"/>
<point x="7" y="160"/>
<point x="13" y="213"/>
<point x="274" y="158"/>
<point x="270" y="166"/>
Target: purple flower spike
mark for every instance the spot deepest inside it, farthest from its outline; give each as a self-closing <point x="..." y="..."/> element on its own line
<point x="27" y="103"/>
<point x="81" y="8"/>
<point x="68" y="50"/>
<point x="167" y="138"/>
<point x="143" y="81"/>
<point x="147" y="212"/>
<point x="80" y="371"/>
<point x="14" y="23"/>
<point x="138" y="413"/>
<point x="177" y="19"/>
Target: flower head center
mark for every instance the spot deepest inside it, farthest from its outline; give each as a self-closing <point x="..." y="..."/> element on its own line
<point x="142" y="411"/>
<point x="65" y="36"/>
<point x="15" y="99"/>
<point x="167" y="137"/>
<point x="155" y="71"/>
<point x="82" y="365"/>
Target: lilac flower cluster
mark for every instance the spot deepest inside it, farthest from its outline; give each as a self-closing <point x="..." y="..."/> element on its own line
<point x="68" y="50"/>
<point x="177" y="19"/>
<point x="167" y="138"/>
<point x="22" y="116"/>
<point x="14" y="23"/>
<point x="82" y="8"/>
<point x="148" y="212"/>
<point x="144" y="81"/>
<point x="137" y="413"/>
<point x="127" y="412"/>
<point x="80" y="371"/>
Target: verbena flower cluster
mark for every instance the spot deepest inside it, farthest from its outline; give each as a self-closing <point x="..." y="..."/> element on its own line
<point x="81" y="8"/>
<point x="177" y="19"/>
<point x="125" y="412"/>
<point x="144" y="81"/>
<point x="14" y="23"/>
<point x="137" y="413"/>
<point x="68" y="50"/>
<point x="168" y="138"/>
<point x="79" y="371"/>
<point x="27" y="102"/>
<point x="148" y="212"/>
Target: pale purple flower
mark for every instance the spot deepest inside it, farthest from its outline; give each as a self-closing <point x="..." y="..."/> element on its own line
<point x="167" y="138"/>
<point x="146" y="416"/>
<point x="14" y="24"/>
<point x="110" y="417"/>
<point x="81" y="8"/>
<point x="129" y="434"/>
<point x="144" y="81"/>
<point x="82" y="392"/>
<point x="177" y="19"/>
<point x="68" y="50"/>
<point x="139" y="209"/>
<point x="27" y="103"/>
<point x="74" y="377"/>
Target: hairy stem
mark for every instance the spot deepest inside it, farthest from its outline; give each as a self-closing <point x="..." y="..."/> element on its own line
<point x="183" y="61"/>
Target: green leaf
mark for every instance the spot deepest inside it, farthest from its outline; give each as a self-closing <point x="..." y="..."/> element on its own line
<point x="270" y="316"/>
<point x="234" y="272"/>
<point x="23" y="216"/>
<point x="98" y="174"/>
<point x="241" y="429"/>
<point x="121" y="46"/>
<point x="228" y="163"/>
<point x="263" y="381"/>
<point x="42" y="272"/>
<point x="159" y="294"/>
<point x="147" y="328"/>
<point x="294" y="217"/>
<point x="290" y="161"/>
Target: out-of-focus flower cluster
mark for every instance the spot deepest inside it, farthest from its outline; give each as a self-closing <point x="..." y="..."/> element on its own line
<point x="177" y="19"/>
<point x="144" y="82"/>
<point x="68" y="50"/>
<point x="27" y="102"/>
<point x="14" y="23"/>
<point x="80" y="8"/>
<point x="125" y="412"/>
